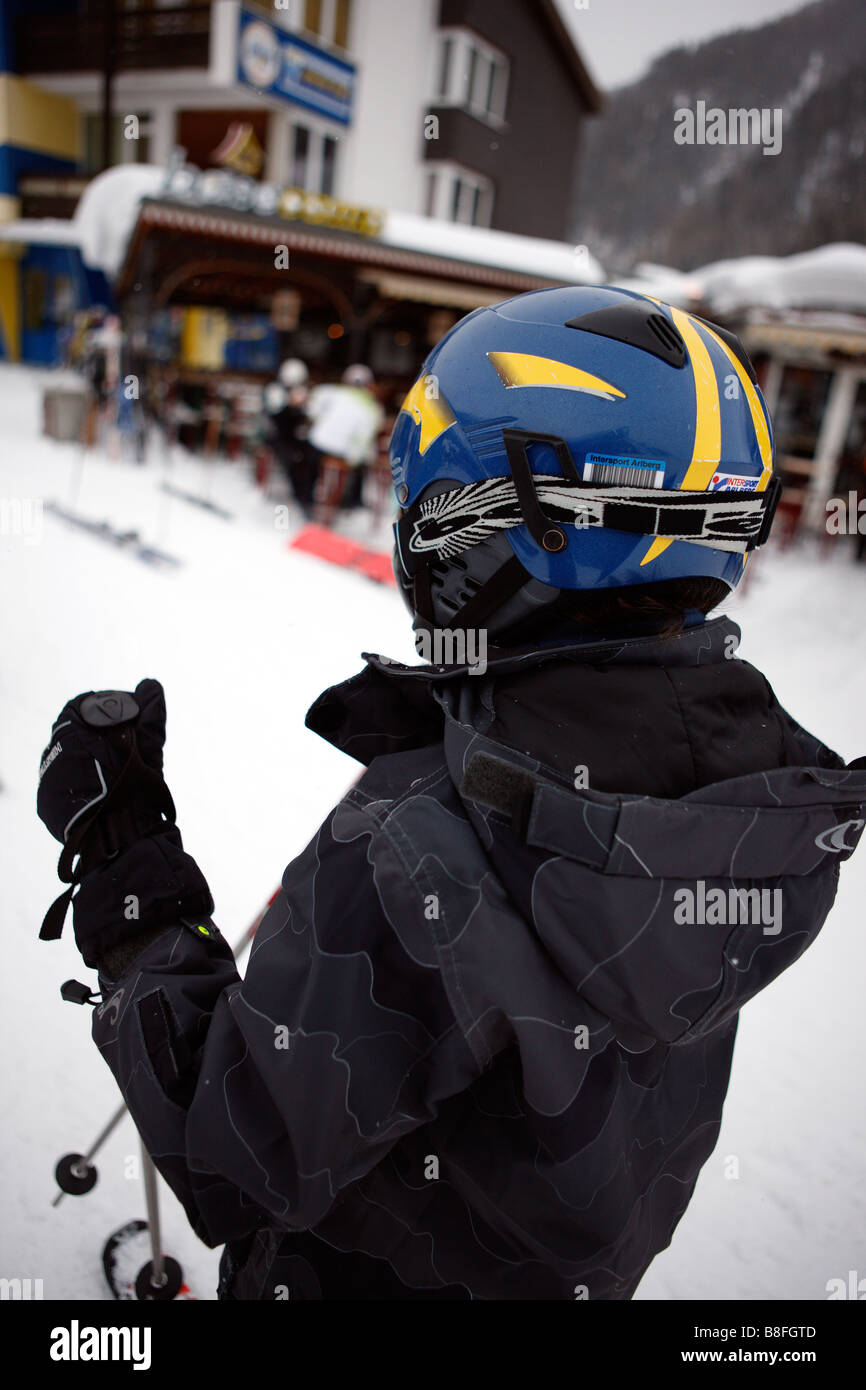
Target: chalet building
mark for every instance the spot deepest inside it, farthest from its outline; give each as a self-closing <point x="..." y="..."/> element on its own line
<point x="371" y="128"/>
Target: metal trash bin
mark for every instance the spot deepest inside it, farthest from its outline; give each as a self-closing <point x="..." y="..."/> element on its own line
<point x="64" y="410"/>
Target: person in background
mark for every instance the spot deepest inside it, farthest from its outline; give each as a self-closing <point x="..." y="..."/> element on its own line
<point x="285" y="406"/>
<point x="345" y="419"/>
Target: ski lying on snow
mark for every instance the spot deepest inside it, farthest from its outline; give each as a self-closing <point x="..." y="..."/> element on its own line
<point x="196" y="501"/>
<point x="129" y="541"/>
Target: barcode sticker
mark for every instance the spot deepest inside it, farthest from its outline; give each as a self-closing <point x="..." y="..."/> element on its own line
<point x="623" y="472"/>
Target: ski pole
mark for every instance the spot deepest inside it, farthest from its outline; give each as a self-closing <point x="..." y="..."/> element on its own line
<point x="74" y="1173"/>
<point x="76" y="1170"/>
<point x="151" y="1200"/>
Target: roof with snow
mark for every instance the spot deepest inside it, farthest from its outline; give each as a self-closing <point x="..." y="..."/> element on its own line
<point x="830" y="278"/>
<point x="129" y="197"/>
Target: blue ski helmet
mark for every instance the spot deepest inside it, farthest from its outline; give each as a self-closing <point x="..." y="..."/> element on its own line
<point x="571" y="439"/>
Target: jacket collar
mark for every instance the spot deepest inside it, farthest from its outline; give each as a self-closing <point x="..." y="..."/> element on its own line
<point x="391" y="707"/>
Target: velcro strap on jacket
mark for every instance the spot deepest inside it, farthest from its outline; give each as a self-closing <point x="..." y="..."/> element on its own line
<point x="647" y="837"/>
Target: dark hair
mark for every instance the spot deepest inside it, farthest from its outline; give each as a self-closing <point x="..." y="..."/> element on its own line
<point x="660" y="608"/>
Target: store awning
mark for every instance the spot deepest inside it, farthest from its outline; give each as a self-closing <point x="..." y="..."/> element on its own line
<point x="421" y="291"/>
<point x="805" y="341"/>
<point x="221" y="224"/>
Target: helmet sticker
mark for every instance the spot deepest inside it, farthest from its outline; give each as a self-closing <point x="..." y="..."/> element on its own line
<point x="524" y="369"/>
<point x="732" y="482"/>
<point x="429" y="409"/>
<point x="610" y="468"/>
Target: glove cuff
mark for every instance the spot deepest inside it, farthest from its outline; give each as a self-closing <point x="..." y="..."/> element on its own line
<point x="153" y="883"/>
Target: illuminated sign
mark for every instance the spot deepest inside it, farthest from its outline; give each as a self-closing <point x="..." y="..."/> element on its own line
<point x="186" y="183"/>
<point x="287" y="66"/>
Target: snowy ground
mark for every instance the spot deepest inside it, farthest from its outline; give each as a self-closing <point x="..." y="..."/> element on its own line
<point x="243" y="638"/>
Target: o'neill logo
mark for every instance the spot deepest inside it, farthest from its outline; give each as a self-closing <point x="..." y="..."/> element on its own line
<point x="834" y="841"/>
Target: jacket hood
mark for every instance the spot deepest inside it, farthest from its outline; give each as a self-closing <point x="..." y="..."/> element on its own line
<point x="664" y="915"/>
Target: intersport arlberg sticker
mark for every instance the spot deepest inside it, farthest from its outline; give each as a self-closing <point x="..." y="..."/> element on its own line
<point x="732" y="482"/>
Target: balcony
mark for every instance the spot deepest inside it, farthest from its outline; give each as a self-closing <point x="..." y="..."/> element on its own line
<point x="145" y="38"/>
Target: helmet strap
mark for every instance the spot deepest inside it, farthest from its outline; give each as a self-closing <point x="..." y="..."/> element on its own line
<point x="493" y="595"/>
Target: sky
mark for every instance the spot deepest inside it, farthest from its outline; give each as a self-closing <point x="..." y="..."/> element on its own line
<point x="618" y="39"/>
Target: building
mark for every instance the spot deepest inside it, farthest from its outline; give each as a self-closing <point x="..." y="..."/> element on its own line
<point x="40" y="285"/>
<point x="358" y="113"/>
<point x="802" y="319"/>
<point x="446" y="107"/>
<point x="812" y="367"/>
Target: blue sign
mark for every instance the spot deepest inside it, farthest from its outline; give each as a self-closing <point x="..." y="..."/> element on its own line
<point x="286" y="66"/>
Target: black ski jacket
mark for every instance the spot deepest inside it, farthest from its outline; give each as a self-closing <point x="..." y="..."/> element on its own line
<point x="485" y="1034"/>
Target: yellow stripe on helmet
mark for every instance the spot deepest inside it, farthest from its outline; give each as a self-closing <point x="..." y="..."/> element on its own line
<point x="431" y="412"/>
<point x="762" y="434"/>
<point x="523" y="369"/>
<point x="707" y="445"/>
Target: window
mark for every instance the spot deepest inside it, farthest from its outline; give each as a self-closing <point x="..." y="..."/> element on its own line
<point x="472" y="74"/>
<point x="446" y="48"/>
<point x="124" y="148"/>
<point x="300" y="153"/>
<point x="313" y="159"/>
<point x="329" y="160"/>
<point x="341" y="24"/>
<point x="34" y="295"/>
<point x="327" y="20"/>
<point x="456" y="194"/>
<point x="313" y="16"/>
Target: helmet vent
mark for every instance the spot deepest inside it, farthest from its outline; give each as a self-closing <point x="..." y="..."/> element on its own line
<point x="639" y="324"/>
<point x="668" y="336"/>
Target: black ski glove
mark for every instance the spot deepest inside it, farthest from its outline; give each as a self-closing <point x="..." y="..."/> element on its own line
<point x="103" y="796"/>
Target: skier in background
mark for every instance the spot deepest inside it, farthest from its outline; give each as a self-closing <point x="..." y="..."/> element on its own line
<point x="285" y="402"/>
<point x="486" y="1031"/>
<point x="344" y="421"/>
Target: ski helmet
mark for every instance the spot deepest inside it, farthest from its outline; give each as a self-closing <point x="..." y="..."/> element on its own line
<point x="357" y="375"/>
<point x="571" y="439"/>
<point x="293" y="372"/>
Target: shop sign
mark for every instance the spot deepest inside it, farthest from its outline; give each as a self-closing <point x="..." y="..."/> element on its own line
<point x="187" y="183"/>
<point x="293" y="69"/>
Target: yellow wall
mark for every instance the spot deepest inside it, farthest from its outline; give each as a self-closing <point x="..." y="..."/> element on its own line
<point x="10" y="309"/>
<point x="37" y="120"/>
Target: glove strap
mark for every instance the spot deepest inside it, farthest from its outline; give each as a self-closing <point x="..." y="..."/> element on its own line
<point x="110" y="846"/>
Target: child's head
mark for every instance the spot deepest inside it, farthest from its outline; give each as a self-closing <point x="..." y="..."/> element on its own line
<point x="581" y="457"/>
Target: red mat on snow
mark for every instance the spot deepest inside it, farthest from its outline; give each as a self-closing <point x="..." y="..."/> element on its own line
<point x="339" y="550"/>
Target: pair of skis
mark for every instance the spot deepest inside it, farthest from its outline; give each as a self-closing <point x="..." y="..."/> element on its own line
<point x="129" y="541"/>
<point x="129" y="1273"/>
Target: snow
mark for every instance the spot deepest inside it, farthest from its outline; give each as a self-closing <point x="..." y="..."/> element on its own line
<point x="107" y="211"/>
<point x="244" y="637"/>
<point x="557" y="260"/>
<point x="829" y="277"/>
<point x="104" y="217"/>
